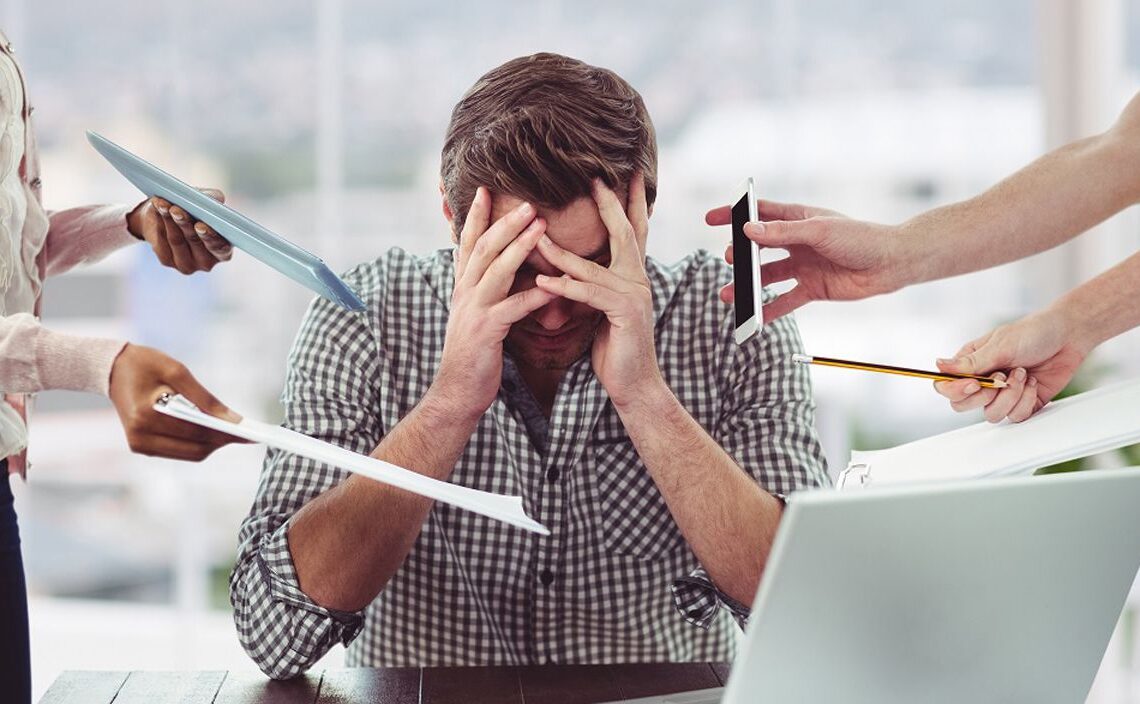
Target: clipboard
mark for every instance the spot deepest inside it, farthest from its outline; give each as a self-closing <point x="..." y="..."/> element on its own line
<point x="508" y="509"/>
<point x="260" y="243"/>
<point x="1086" y="424"/>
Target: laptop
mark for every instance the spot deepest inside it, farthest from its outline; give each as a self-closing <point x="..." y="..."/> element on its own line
<point x="1003" y="590"/>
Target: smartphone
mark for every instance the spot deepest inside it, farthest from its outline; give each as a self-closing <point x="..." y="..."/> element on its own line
<point x="745" y="264"/>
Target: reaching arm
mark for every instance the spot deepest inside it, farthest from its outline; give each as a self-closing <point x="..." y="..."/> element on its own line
<point x="1048" y="202"/>
<point x="1044" y="349"/>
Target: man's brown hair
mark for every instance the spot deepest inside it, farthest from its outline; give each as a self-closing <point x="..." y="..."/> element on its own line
<point x="542" y="128"/>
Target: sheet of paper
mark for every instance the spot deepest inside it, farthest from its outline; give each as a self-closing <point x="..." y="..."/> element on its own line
<point x="508" y="509"/>
<point x="1095" y="421"/>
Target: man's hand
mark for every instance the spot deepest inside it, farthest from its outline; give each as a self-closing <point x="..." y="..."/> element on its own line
<point x="179" y="241"/>
<point x="1041" y="353"/>
<point x="139" y="376"/>
<point x="833" y="258"/>
<point x="482" y="312"/>
<point x="623" y="354"/>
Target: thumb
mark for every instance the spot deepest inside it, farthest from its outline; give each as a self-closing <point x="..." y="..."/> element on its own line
<point x="982" y="360"/>
<point x="785" y="233"/>
<point x="185" y="384"/>
<point x="214" y="193"/>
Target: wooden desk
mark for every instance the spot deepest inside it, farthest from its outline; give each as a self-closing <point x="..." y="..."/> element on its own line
<point x="548" y="684"/>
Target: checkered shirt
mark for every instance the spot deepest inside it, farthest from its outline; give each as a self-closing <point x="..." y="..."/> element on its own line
<point x="615" y="581"/>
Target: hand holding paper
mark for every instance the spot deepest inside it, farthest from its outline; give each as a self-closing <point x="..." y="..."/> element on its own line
<point x="508" y="509"/>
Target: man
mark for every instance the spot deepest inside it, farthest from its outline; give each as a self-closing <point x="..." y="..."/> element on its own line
<point x="544" y="357"/>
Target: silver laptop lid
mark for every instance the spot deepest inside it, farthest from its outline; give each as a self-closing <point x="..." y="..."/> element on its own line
<point x="992" y="591"/>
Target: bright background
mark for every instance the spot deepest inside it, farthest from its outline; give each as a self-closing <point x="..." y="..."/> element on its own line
<point x="324" y="120"/>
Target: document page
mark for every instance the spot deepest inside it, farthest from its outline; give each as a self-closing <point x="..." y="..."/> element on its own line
<point x="508" y="509"/>
<point x="1095" y="421"/>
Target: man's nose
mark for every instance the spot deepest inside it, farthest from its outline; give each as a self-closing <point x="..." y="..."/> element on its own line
<point x="555" y="314"/>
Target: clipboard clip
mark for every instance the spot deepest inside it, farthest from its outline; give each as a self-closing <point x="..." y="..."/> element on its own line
<point x="855" y="473"/>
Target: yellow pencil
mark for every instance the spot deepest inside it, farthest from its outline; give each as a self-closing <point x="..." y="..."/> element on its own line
<point x="984" y="381"/>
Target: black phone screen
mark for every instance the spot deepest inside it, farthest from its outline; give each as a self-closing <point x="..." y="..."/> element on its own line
<point x="742" y="264"/>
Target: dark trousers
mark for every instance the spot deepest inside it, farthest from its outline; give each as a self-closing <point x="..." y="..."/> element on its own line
<point x="15" y="660"/>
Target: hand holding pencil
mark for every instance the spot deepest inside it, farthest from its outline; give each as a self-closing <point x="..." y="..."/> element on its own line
<point x="1010" y="372"/>
<point x="1041" y="351"/>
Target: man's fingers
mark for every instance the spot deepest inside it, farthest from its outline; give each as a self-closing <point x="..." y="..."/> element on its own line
<point x="582" y="269"/>
<point x="593" y="295"/>
<point x="516" y="307"/>
<point x="490" y="244"/>
<point x="625" y="257"/>
<point x="637" y="208"/>
<point x="478" y="219"/>
<point x="727" y="293"/>
<point x="500" y="275"/>
<point x="785" y="303"/>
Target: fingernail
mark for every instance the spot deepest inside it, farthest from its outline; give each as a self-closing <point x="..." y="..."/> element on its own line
<point x="541" y="278"/>
<point x="1000" y="376"/>
<point x="973" y="387"/>
<point x="178" y="216"/>
<point x="1019" y="374"/>
<point x="200" y="230"/>
<point x="546" y="241"/>
<point x="1032" y="382"/>
<point x="754" y="228"/>
<point x="526" y="209"/>
<point x="943" y="360"/>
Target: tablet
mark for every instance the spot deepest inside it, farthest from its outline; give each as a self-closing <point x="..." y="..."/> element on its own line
<point x="243" y="233"/>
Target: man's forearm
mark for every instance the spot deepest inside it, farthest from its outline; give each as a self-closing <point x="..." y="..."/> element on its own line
<point x="727" y="519"/>
<point x="349" y="541"/>
<point x="1104" y="307"/>
<point x="1050" y="201"/>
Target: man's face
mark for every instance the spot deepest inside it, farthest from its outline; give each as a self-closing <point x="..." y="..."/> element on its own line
<point x="560" y="332"/>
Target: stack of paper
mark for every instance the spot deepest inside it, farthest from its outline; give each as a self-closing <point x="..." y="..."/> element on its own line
<point x="1082" y="425"/>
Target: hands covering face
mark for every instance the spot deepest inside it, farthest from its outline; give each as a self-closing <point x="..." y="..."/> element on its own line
<point x="623" y="354"/>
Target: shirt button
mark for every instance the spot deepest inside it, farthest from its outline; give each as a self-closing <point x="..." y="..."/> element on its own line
<point x="546" y="577"/>
<point x="552" y="474"/>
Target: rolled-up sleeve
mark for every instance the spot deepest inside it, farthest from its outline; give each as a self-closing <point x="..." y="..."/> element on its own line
<point x="330" y="395"/>
<point x="767" y="424"/>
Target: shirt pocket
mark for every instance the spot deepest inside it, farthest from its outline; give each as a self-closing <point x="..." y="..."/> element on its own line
<point x="634" y="519"/>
